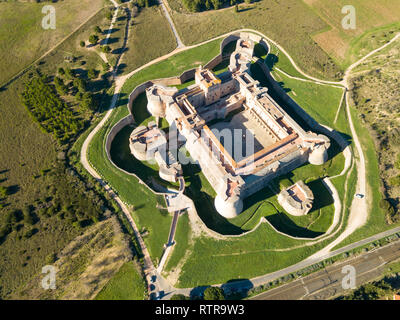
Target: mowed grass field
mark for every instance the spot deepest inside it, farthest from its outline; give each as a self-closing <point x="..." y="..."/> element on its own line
<point x="376" y="23"/>
<point x="22" y="38"/>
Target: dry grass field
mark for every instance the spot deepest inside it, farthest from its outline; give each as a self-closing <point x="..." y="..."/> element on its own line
<point x="310" y="30"/>
<point x="149" y="37"/>
<point x="84" y="265"/>
<point x="288" y="22"/>
<point x="374" y="22"/>
<point x="22" y="38"/>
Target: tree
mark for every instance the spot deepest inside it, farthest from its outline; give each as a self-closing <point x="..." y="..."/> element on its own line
<point x="80" y="84"/>
<point x="109" y="15"/>
<point x="105" y="66"/>
<point x="92" y="73"/>
<point x="97" y="29"/>
<point x="69" y="73"/>
<point x="4" y="191"/>
<point x="106" y="49"/>
<point x="214" y="293"/>
<point x="179" y="297"/>
<point x="82" y="43"/>
<point x="88" y="101"/>
<point x="28" y="219"/>
<point x="93" y="39"/>
<point x="61" y="71"/>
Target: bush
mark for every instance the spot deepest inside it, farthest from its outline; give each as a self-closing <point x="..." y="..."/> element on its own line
<point x="97" y="29"/>
<point x="30" y="233"/>
<point x="395" y="181"/>
<point x="93" y="39"/>
<point x="214" y="293"/>
<point x="61" y="71"/>
<point x="82" y="43"/>
<point x="92" y="73"/>
<point x="105" y="66"/>
<point x="106" y="49"/>
<point x="109" y="15"/>
<point x="51" y="258"/>
<point x="28" y="219"/>
<point x="4" y="191"/>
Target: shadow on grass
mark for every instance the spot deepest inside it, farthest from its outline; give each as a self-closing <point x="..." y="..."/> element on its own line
<point x="204" y="203"/>
<point x="283" y="223"/>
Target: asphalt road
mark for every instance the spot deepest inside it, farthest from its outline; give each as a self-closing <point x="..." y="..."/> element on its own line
<point x="327" y="283"/>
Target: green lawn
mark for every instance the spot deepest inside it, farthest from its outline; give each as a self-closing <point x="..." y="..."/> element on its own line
<point x="127" y="284"/>
<point x="182" y="237"/>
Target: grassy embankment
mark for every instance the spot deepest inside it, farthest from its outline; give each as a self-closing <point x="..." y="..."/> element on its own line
<point x="127" y="284"/>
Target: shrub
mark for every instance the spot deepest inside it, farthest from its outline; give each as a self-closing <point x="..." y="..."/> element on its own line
<point x="92" y="73"/>
<point x="61" y="71"/>
<point x="93" y="38"/>
<point x="106" y="49"/>
<point x="97" y="29"/>
<point x="28" y="218"/>
<point x="4" y="191"/>
<point x="82" y="43"/>
<point x="395" y="181"/>
<point x="51" y="258"/>
<point x="214" y="293"/>
<point x="105" y="66"/>
<point x="109" y="15"/>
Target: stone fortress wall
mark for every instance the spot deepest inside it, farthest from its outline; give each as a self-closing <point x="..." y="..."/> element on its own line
<point x="213" y="97"/>
<point x="189" y="74"/>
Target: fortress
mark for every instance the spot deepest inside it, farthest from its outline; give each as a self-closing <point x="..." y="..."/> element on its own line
<point x="240" y="137"/>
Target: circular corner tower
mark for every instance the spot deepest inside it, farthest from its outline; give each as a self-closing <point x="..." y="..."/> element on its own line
<point x="229" y="208"/>
<point x="155" y="104"/>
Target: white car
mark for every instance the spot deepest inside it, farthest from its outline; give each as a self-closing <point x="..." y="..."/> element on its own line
<point x="359" y="195"/>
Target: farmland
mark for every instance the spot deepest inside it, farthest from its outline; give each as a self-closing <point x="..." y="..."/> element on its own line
<point x="376" y="23"/>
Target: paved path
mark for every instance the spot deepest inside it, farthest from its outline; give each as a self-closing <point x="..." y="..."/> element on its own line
<point x="171" y="23"/>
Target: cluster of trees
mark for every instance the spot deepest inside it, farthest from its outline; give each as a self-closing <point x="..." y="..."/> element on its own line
<point x="68" y="199"/>
<point x="201" y="5"/>
<point x="79" y="87"/>
<point x="49" y="110"/>
<point x="16" y="220"/>
<point x="145" y="3"/>
<point x="374" y="291"/>
<point x="210" y="293"/>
